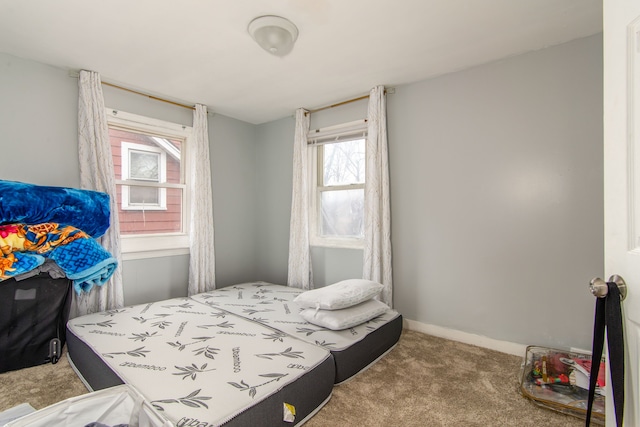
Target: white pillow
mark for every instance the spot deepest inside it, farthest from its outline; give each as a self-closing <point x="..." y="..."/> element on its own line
<point x="342" y="294"/>
<point x="346" y="317"/>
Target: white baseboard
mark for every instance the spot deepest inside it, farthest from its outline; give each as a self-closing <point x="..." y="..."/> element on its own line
<point x="467" y="338"/>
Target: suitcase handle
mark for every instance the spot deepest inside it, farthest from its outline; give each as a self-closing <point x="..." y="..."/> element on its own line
<point x="54" y="350"/>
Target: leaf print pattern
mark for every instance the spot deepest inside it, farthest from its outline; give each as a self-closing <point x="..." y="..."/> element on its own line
<point x="251" y="311"/>
<point x="105" y="324"/>
<point x="213" y="304"/>
<point x="192" y="400"/>
<point x="327" y="345"/>
<point x="275" y="336"/>
<point x="243" y="386"/>
<point x="161" y="325"/>
<point x="223" y="325"/>
<point x="142" y="320"/>
<point x="208" y="352"/>
<point x="142" y="336"/>
<point x="286" y="353"/>
<point x="191" y="371"/>
<point x="112" y="313"/>
<point x="307" y="331"/>
<point x="138" y="352"/>
<point x="181" y="346"/>
<point x="185" y="306"/>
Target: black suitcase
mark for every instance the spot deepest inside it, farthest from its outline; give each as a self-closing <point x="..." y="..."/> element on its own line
<point x="33" y="318"/>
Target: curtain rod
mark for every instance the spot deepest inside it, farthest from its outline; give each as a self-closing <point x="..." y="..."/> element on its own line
<point x="76" y="74"/>
<point x="390" y="90"/>
<point x="348" y="101"/>
<point x="149" y="96"/>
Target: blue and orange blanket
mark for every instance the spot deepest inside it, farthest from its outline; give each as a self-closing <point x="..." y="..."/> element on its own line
<point x="25" y="203"/>
<point x="60" y="224"/>
<point x="83" y="260"/>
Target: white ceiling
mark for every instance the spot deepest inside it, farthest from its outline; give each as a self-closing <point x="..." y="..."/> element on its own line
<point x="199" y="51"/>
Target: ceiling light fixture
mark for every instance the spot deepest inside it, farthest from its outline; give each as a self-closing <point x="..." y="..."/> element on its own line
<point x="274" y="34"/>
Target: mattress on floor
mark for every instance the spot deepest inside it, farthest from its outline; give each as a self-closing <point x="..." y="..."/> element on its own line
<point x="272" y="305"/>
<point x="198" y="365"/>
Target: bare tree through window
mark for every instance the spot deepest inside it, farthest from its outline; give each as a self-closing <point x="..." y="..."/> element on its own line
<point x="342" y="192"/>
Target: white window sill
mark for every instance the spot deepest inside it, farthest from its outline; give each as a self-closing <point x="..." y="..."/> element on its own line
<point x="338" y="243"/>
<point x="141" y="247"/>
<point x="144" y="208"/>
<point x="127" y="256"/>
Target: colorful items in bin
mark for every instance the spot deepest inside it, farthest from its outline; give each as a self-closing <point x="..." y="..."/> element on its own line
<point x="544" y="376"/>
<point x="540" y="372"/>
<point x="581" y="371"/>
<point x="555" y="369"/>
<point x="560" y="379"/>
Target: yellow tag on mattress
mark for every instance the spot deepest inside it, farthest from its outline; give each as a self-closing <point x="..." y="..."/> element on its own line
<point x="289" y="413"/>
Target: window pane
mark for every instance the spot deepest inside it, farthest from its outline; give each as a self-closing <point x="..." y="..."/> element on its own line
<point x="144" y="195"/>
<point x="342" y="213"/>
<point x="343" y="163"/>
<point x="147" y="220"/>
<point x="144" y="166"/>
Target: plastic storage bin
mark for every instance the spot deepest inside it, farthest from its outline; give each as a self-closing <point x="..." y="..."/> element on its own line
<point x="559" y="380"/>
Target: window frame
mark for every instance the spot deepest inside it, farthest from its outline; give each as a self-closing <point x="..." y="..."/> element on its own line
<point x="126" y="148"/>
<point x="142" y="246"/>
<point x="317" y="138"/>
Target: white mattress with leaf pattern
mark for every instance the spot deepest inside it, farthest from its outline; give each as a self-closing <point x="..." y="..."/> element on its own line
<point x="195" y="362"/>
<point x="273" y="305"/>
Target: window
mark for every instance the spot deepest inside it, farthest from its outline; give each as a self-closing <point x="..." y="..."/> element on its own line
<point x="337" y="206"/>
<point x="150" y="170"/>
<point x="143" y="163"/>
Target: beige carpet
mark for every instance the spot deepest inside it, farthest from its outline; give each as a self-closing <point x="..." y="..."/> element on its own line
<point x="423" y="381"/>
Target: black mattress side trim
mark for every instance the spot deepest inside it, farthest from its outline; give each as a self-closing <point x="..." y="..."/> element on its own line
<point x="93" y="370"/>
<point x="360" y="355"/>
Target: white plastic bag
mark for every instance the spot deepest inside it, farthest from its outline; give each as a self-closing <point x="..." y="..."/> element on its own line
<point x="112" y="406"/>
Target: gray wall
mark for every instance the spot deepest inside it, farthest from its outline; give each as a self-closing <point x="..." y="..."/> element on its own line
<point x="38" y="123"/>
<point x="234" y="205"/>
<point x="273" y="160"/>
<point x="496" y="195"/>
<point x="38" y="119"/>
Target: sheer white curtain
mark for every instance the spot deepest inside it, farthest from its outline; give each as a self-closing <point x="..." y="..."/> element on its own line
<point x="202" y="273"/>
<point x="377" y="208"/>
<point x="96" y="173"/>
<point x="299" y="273"/>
